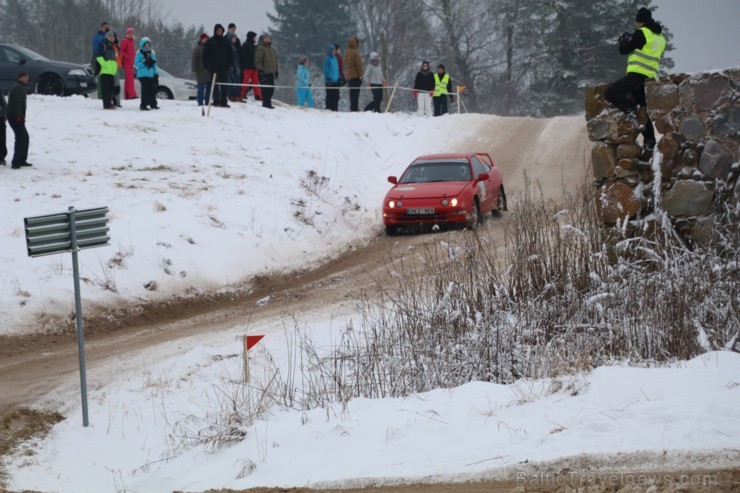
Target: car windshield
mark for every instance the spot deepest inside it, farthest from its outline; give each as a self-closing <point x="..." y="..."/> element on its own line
<point x="30" y="54"/>
<point x="429" y="171"/>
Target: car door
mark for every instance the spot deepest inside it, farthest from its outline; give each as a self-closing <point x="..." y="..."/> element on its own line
<point x="486" y="191"/>
<point x="8" y="71"/>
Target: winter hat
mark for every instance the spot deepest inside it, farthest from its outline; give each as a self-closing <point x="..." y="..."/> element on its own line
<point x="129" y="30"/>
<point x="232" y="25"/>
<point x="441" y="66"/>
<point x="203" y="36"/>
<point x="251" y="35"/>
<point x="110" y="34"/>
<point x="22" y="73"/>
<point x="643" y="15"/>
<point x="374" y="55"/>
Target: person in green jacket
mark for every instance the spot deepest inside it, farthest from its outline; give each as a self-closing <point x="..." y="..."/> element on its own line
<point x="16" y="114"/>
<point x="108" y="70"/>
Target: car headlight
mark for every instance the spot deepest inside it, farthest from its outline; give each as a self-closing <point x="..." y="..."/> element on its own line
<point x="191" y="85"/>
<point x="454" y="202"/>
<point x="77" y="71"/>
<point x="391" y="204"/>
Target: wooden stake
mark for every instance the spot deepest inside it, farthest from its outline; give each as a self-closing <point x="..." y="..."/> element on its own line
<point x="210" y="96"/>
<point x="390" y="99"/>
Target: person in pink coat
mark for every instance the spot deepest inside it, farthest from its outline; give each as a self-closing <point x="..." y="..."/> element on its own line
<point x="128" y="52"/>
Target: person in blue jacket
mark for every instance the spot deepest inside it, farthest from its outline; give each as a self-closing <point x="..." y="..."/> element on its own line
<point x="303" y="84"/>
<point x="331" y="79"/>
<point x="145" y="64"/>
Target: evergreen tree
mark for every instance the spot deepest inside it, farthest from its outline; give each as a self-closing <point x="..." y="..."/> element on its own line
<point x="306" y="27"/>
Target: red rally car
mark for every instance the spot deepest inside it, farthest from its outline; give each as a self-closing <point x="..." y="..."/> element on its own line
<point x="456" y="189"/>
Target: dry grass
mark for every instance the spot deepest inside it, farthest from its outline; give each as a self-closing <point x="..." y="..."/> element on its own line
<point x="21" y="425"/>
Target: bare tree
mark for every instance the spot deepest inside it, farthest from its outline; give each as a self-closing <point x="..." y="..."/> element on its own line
<point x="398" y="32"/>
<point x="468" y="40"/>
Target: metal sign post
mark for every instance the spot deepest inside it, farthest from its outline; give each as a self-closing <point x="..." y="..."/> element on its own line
<point x="70" y="232"/>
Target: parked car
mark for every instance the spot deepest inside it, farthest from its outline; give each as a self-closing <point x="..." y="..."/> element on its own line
<point x="45" y="76"/>
<point x="444" y="189"/>
<point x="170" y="87"/>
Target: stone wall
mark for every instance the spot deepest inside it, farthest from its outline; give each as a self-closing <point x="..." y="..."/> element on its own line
<point x="693" y="174"/>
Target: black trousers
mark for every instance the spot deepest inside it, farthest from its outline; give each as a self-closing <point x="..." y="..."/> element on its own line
<point x="354" y="94"/>
<point x="267" y="92"/>
<point x="148" y="90"/>
<point x="440" y="105"/>
<point x="20" y="153"/>
<point x="221" y="93"/>
<point x="106" y="90"/>
<point x="374" y="105"/>
<point x="3" y="140"/>
<point x="626" y="94"/>
<point x="332" y="97"/>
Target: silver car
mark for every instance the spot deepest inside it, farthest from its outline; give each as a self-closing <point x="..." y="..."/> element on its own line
<point x="170" y="87"/>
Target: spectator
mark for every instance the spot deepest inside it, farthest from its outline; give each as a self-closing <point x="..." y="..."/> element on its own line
<point x="303" y="84"/>
<point x="235" y="70"/>
<point x="97" y="49"/>
<point x="202" y="76"/>
<point x="645" y="46"/>
<point x="232" y="30"/>
<point x="108" y="70"/>
<point x="249" y="69"/>
<point x="342" y="79"/>
<point x="116" y="98"/>
<point x="442" y="87"/>
<point x="354" y="71"/>
<point x="331" y="78"/>
<point x="424" y="89"/>
<point x="16" y="115"/>
<point x="375" y="80"/>
<point x="148" y="74"/>
<point x="128" y="53"/>
<point x="217" y="59"/>
<point x="266" y="60"/>
<point x="3" y="136"/>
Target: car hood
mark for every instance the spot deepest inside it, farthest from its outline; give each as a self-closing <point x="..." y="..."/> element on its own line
<point x="427" y="190"/>
<point x="53" y="65"/>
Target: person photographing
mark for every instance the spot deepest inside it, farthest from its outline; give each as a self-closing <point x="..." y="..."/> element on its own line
<point x="644" y="48"/>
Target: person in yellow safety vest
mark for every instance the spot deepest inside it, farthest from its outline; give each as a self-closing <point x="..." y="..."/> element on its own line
<point x="644" y="47"/>
<point x="442" y="88"/>
<point x="108" y="70"/>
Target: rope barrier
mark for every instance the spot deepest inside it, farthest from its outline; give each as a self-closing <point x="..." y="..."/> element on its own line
<point x="364" y="88"/>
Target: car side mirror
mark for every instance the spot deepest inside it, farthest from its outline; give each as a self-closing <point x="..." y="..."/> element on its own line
<point x="483" y="177"/>
<point x="393" y="179"/>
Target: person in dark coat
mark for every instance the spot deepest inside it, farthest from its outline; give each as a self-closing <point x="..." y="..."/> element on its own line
<point x="424" y="89"/>
<point x="235" y="70"/>
<point x="217" y="59"/>
<point x="98" y="47"/>
<point x="266" y="60"/>
<point x="16" y="114"/>
<point x="249" y="69"/>
<point x="3" y="137"/>
<point x="202" y="75"/>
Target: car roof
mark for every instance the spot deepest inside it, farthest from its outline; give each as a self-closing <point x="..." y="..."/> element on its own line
<point x="448" y="155"/>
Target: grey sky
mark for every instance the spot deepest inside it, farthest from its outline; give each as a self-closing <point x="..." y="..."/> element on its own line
<point x="706" y="33"/>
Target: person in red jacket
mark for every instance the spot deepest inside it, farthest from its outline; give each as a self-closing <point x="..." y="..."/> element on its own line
<point x="128" y="52"/>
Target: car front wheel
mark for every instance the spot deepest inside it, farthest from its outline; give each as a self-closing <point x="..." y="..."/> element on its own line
<point x="474" y="216"/>
<point x="51" y="85"/>
<point x="163" y="93"/>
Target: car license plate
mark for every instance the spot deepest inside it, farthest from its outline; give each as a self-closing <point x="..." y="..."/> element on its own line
<point x="83" y="84"/>
<point x="417" y="211"/>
